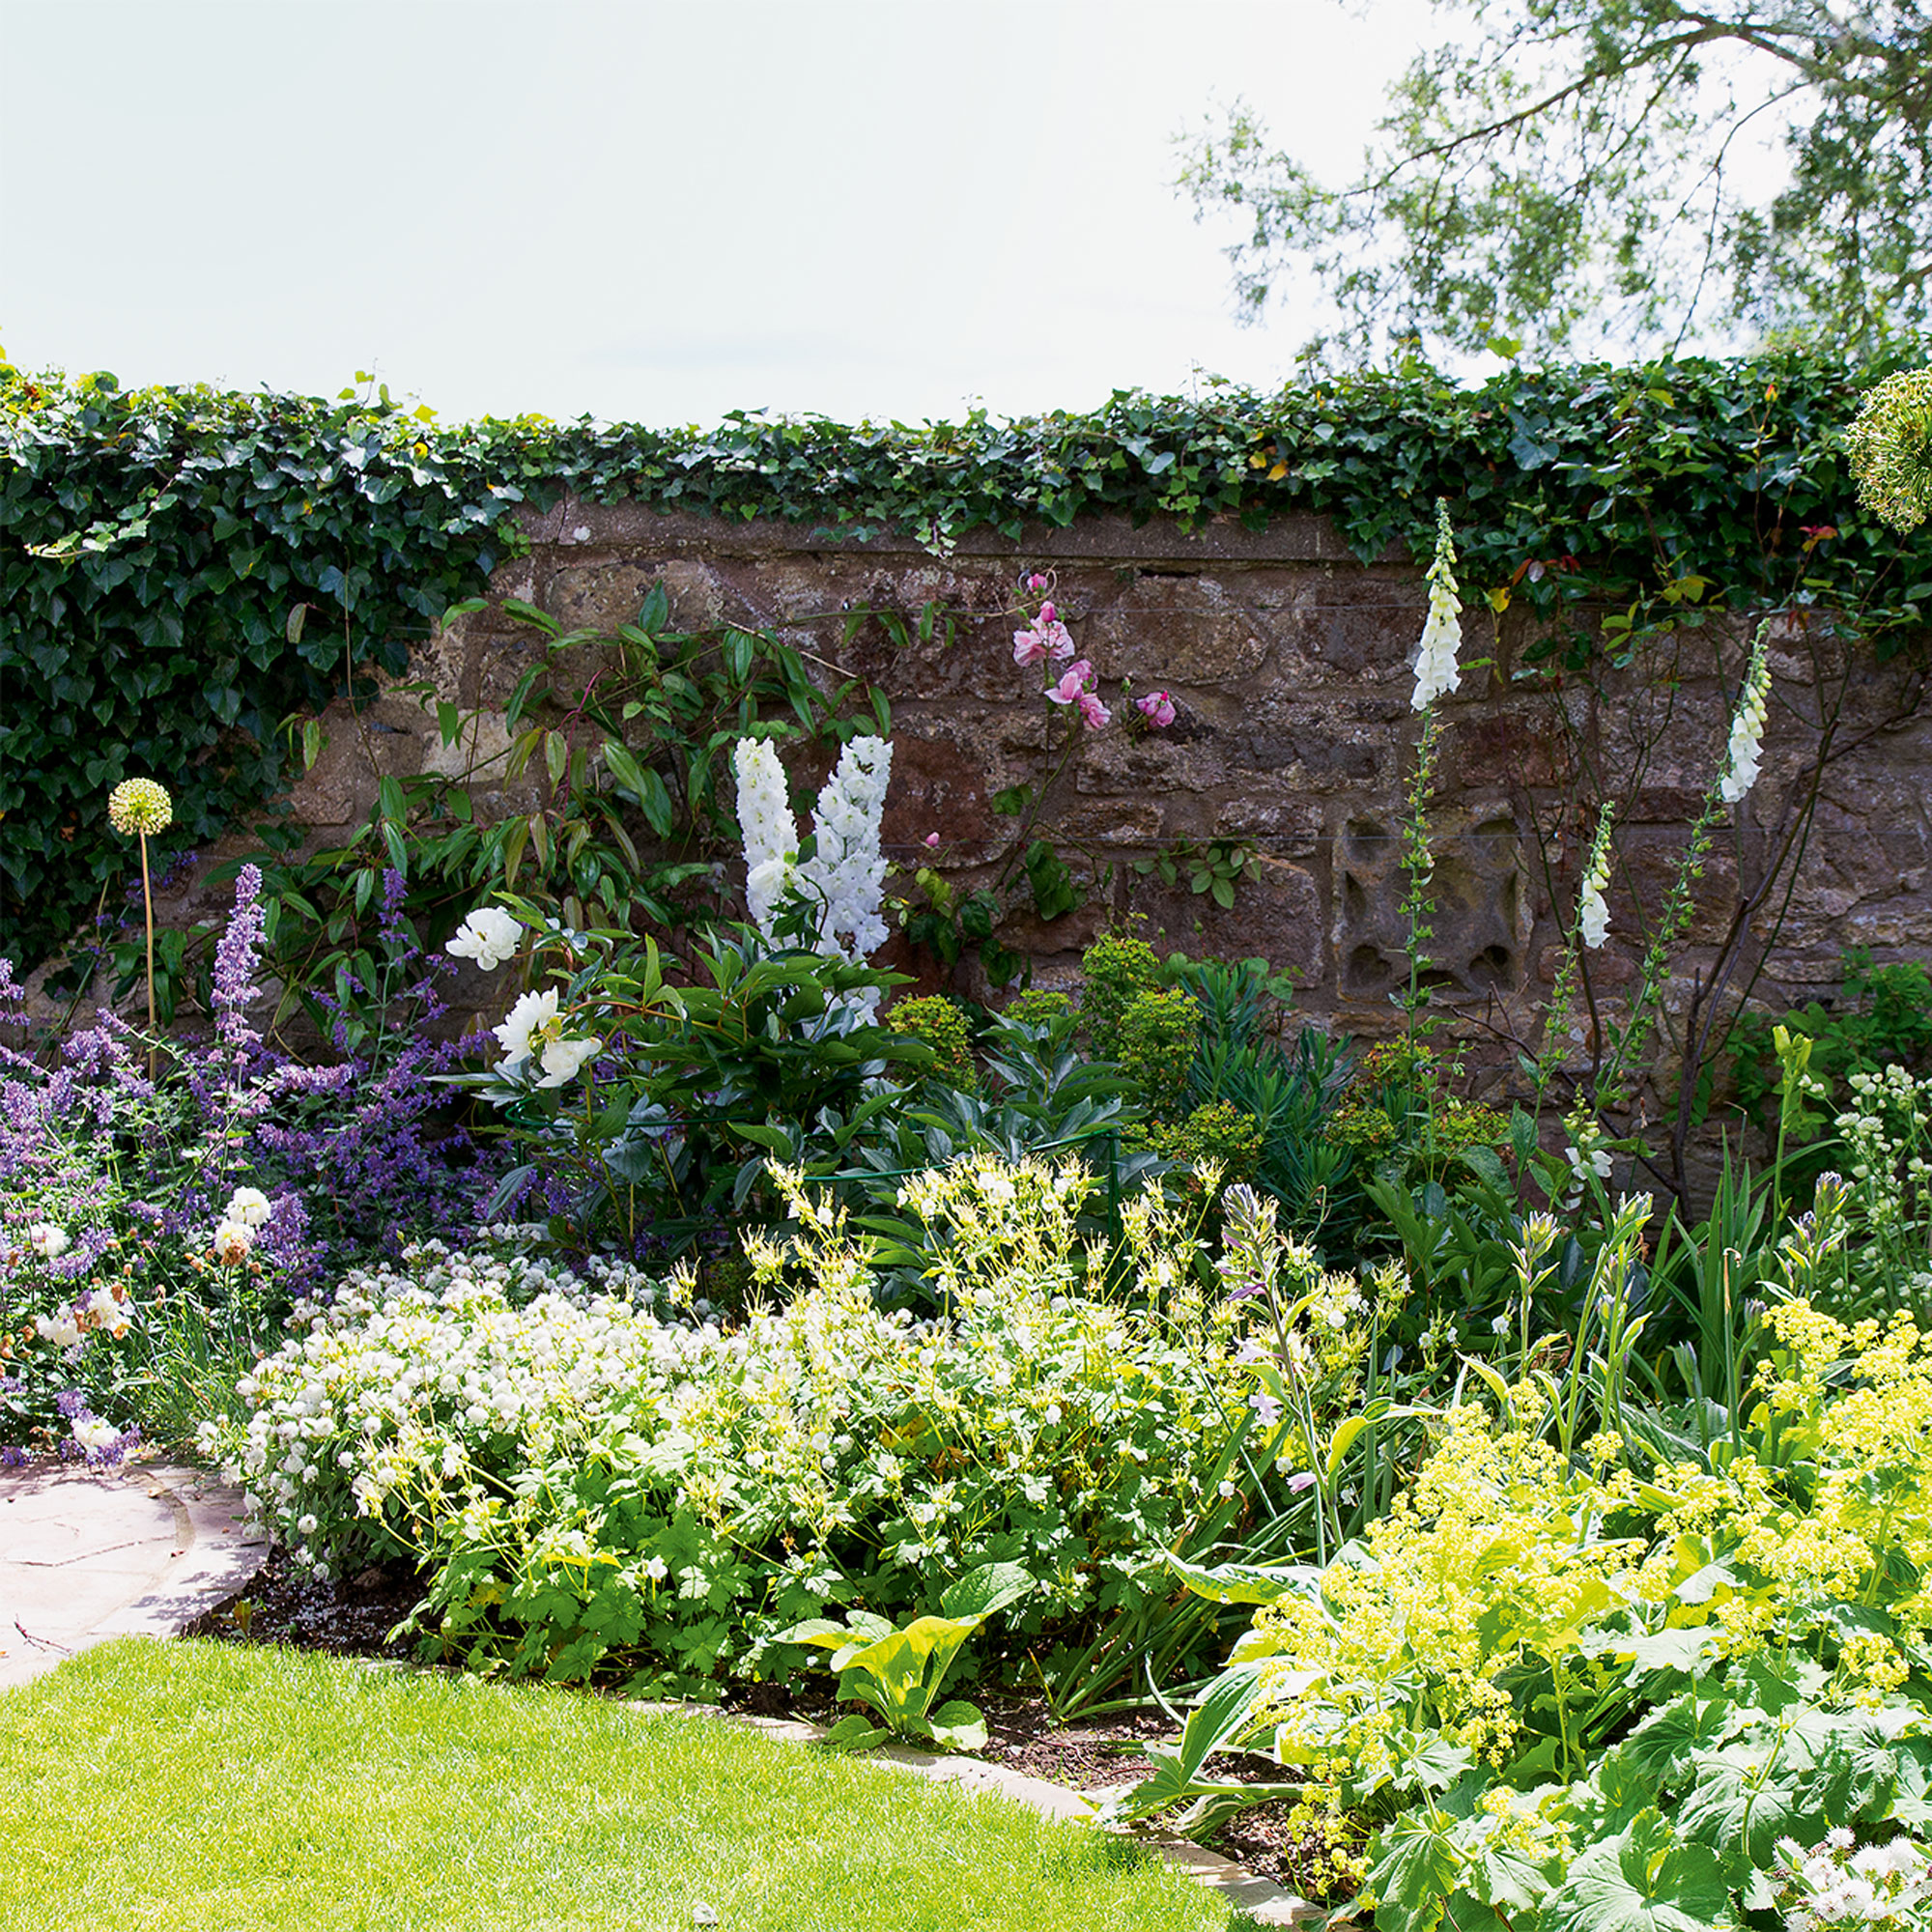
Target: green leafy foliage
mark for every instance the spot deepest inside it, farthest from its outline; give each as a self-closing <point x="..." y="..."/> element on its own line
<point x="1114" y="973"/>
<point x="942" y="1025"/>
<point x="899" y="1673"/>
<point x="1154" y="1042"/>
<point x="182" y="570"/>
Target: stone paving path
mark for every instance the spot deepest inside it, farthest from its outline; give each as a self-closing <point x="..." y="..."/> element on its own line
<point x="86" y="1554"/>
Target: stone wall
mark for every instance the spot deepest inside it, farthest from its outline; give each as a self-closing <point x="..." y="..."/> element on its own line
<point x="1289" y="662"/>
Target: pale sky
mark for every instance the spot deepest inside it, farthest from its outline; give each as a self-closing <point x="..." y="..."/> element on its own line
<point x="654" y="212"/>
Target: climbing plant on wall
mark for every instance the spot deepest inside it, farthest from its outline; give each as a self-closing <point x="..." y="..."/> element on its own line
<point x="181" y="568"/>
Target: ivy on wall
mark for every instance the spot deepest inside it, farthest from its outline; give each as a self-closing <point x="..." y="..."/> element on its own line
<point x="181" y="570"/>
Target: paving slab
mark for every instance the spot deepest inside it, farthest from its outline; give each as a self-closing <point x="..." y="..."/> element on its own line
<point x="137" y="1551"/>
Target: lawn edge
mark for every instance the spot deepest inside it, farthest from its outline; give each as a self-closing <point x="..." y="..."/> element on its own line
<point x="1265" y="1902"/>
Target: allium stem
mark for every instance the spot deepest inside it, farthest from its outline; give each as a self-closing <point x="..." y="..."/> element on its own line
<point x="148" y="900"/>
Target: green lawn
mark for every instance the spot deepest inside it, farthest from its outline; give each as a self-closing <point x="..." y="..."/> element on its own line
<point x="194" y="1787"/>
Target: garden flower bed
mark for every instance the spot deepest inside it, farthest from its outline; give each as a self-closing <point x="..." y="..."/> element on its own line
<point x="1538" y="1554"/>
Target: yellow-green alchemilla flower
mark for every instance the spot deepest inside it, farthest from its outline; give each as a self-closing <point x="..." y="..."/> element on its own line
<point x="139" y="804"/>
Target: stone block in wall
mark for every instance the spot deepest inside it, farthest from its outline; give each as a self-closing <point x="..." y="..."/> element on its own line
<point x="1276" y="916"/>
<point x="1482" y="916"/>
<point x="1168" y="630"/>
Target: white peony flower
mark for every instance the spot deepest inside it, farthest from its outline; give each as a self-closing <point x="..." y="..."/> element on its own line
<point x="563" y="1059"/>
<point x="48" y="1241"/>
<point x="62" y="1331"/>
<point x="93" y="1434"/>
<point x="490" y="936"/>
<point x="249" y="1206"/>
<point x="104" y="1312"/>
<point x="535" y="1027"/>
<point x="524" y="1024"/>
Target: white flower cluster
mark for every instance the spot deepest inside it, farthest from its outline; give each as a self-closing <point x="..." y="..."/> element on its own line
<point x="1887" y="1129"/>
<point x="1889" y="1887"/>
<point x="771" y="837"/>
<point x="1436" y="667"/>
<point x="446" y="1401"/>
<point x="843" y="877"/>
<point x="1593" y="916"/>
<point x="1745" y="752"/>
<point x="419" y="1368"/>
<point x="490" y="936"/>
<point x="241" y="1220"/>
<point x="534" y="1028"/>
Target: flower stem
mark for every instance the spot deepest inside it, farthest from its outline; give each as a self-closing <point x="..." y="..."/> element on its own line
<point x="148" y="901"/>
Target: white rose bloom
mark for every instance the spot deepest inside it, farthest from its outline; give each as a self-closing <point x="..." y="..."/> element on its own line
<point x="47" y="1241"/>
<point x="490" y="936"/>
<point x="249" y="1206"/>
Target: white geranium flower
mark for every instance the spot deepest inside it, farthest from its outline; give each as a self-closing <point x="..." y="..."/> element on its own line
<point x="490" y="936"/>
<point x="48" y="1241"/>
<point x="249" y="1206"/>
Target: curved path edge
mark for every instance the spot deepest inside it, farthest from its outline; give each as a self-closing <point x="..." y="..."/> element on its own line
<point x="86" y="1554"/>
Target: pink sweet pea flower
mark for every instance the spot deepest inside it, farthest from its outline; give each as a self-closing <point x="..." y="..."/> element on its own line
<point x="1047" y="615"/>
<point x="1053" y="635"/>
<point x="1093" y="711"/>
<point x="1157" y="708"/>
<point x="1072" y="682"/>
<point x="1036" y="581"/>
<point x="1029" y="648"/>
<point x="933" y="841"/>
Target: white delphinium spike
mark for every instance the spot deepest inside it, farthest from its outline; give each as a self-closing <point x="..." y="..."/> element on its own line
<point x="846" y="869"/>
<point x="771" y="838"/>
<point x="1593" y="916"/>
<point x="1746" y="750"/>
<point x="1436" y="667"/>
